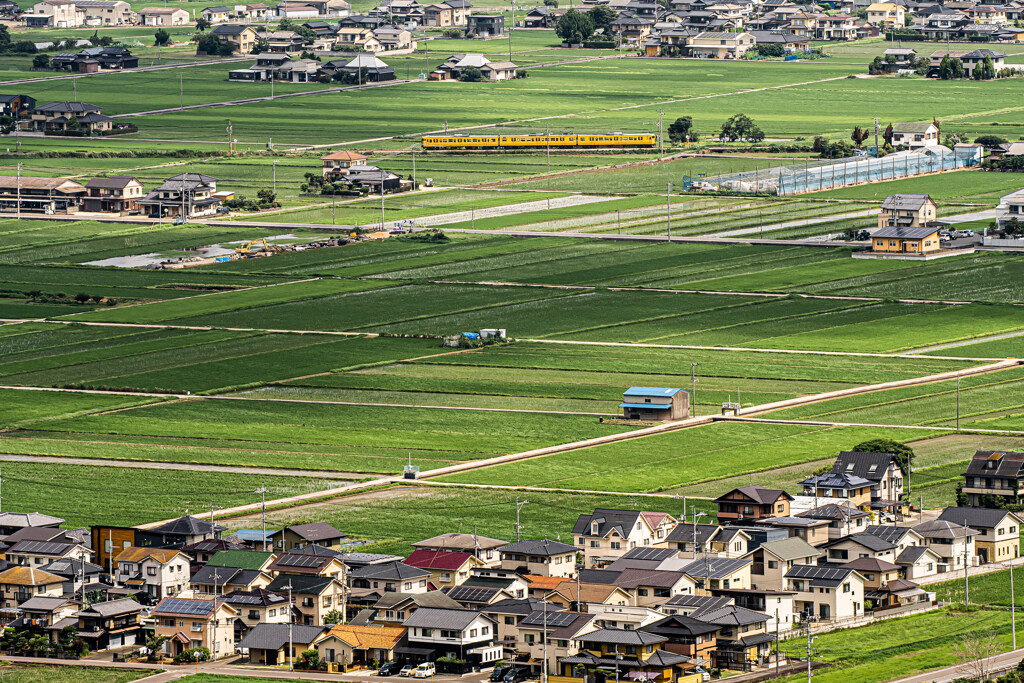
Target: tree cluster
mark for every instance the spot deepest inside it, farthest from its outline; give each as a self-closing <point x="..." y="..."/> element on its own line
<point x="265" y="199"/>
<point x="212" y="45"/>
<point x="741" y="127"/>
<point x="574" y="26"/>
<point x="681" y="128"/>
<point x="40" y="645"/>
<point x="7" y="46"/>
<point x="771" y="50"/>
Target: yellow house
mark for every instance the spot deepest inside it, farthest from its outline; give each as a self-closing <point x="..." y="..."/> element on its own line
<point x="907" y="211"/>
<point x="998" y="536"/>
<point x="886" y="14"/>
<point x="349" y="644"/>
<point x="905" y="240"/>
<point x="638" y="655"/>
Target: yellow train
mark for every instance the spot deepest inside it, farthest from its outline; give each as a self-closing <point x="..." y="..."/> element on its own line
<point x="535" y="141"/>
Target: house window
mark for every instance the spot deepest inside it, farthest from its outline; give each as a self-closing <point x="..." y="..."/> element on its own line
<point x="472" y="633"/>
<point x="485" y="630"/>
<point x="595" y="544"/>
<point x="272" y="613"/>
<point x="510" y="621"/>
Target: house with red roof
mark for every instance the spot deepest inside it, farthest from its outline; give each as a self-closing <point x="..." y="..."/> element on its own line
<point x="446" y="568"/>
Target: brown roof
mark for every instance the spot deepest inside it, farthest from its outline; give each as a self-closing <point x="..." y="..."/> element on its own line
<point x="28" y="576"/>
<point x="460" y="542"/>
<point x="133" y="554"/>
<point x="345" y="156"/>
<point x="588" y="592"/>
<point x="34" y="183"/>
<point x="363" y="637"/>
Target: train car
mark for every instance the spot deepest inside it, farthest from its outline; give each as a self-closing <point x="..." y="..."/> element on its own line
<point x="520" y="141"/>
<point x="460" y="142"/>
<point x="617" y="140"/>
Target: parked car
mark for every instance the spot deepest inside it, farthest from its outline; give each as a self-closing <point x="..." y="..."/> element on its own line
<point x="389" y="669"/>
<point x="424" y="670"/>
<point x="407" y="670"/>
<point x="516" y="675"/>
<point x="499" y="672"/>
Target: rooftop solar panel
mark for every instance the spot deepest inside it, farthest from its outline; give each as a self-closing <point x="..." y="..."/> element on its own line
<point x="181" y="606"/>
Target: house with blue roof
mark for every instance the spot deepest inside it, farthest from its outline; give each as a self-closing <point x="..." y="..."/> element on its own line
<point x="655" y="403"/>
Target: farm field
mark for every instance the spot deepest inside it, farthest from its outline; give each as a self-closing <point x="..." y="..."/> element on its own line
<point x="179" y="361"/>
<point x="667" y="462"/>
<point x="21" y="408"/>
<point x="591" y="378"/>
<point x="346" y="438"/>
<point x="899" y="647"/>
<point x="399" y="516"/>
<point x="35" y="673"/>
<point x="82" y="495"/>
<point x="963" y="187"/>
<point x="984" y="399"/>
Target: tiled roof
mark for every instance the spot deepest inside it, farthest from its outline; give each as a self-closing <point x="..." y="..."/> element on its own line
<point x="437" y="559"/>
<point x="135" y="554"/>
<point x="364" y="637"/>
<point x="28" y="576"/>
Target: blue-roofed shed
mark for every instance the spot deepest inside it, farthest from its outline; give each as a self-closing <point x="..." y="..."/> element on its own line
<point x="655" y="403"/>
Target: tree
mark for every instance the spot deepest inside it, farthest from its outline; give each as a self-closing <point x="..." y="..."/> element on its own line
<point x="887" y="135"/>
<point x="210" y="44"/>
<point x="266" y="195"/>
<point x="162" y="37"/>
<point x="680" y="128"/>
<point x="551" y="3"/>
<point x="741" y="127"/>
<point x="957" y="67"/>
<point x="306" y="32"/>
<point x="202" y="23"/>
<point x="959" y="496"/>
<point x="603" y="16"/>
<point x="989" y="70"/>
<point x="66" y="637"/>
<point x="309" y="660"/>
<point x="5" y="38"/>
<point x="945" y="68"/>
<point x="40" y="62"/>
<point x="989" y="140"/>
<point x="81" y="297"/>
<point x="285" y="24"/>
<point x="574" y="27"/>
<point x="902" y="453"/>
<point x="334" y="617"/>
<point x="876" y="67"/>
<point x="471" y="74"/>
<point x="858" y="136"/>
<point x="974" y="652"/>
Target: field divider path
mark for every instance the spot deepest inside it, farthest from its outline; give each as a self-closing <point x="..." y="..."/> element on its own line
<point x="965" y="342"/>
<point x="191" y="466"/>
<point x="795" y="223"/>
<point x="663" y="428"/>
<point x="824" y="423"/>
<point x="695" y="347"/>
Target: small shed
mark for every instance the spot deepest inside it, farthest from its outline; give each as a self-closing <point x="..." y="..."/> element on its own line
<point x="655" y="403"/>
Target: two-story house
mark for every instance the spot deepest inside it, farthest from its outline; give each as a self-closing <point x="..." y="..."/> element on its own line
<point x="687" y="636"/>
<point x="111" y="624"/>
<point x="39" y="553"/>
<point x="882" y="469"/>
<point x="753" y="502"/>
<point x="887" y="15"/>
<point x="61" y="117"/>
<point x="188" y="529"/>
<point x="1011" y="206"/>
<point x="841" y="485"/>
<point x="636" y="654"/>
<point x="540" y="558"/>
<point x="826" y="591"/>
<point x="467" y="634"/>
<point x="481" y="547"/>
<point x="19" y="584"/>
<point x="446" y="568"/>
<point x="187" y="195"/>
<point x="243" y="39"/>
<point x="770" y="561"/>
<point x="563" y="631"/>
<point x="394" y="608"/>
<point x="188" y="624"/>
<point x="338" y="163"/>
<point x="996" y="473"/>
<point x="903" y="211"/>
<point x="953" y="542"/>
<point x="215" y="581"/>
<point x="861" y="545"/>
<point x="710" y="573"/>
<point x="117" y="194"/>
<point x="843" y="520"/>
<point x="313" y="597"/>
<point x="608" y="534"/>
<point x="258" y="606"/>
<point x="998" y="538"/>
<point x="319" y="533"/>
<point x="157" y="572"/>
<point x="915" y="134"/>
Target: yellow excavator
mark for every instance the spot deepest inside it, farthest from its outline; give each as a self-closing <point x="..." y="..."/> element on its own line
<point x="248" y="247"/>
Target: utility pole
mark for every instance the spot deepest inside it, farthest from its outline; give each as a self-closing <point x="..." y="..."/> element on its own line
<point x="229" y="137"/>
<point x="1013" y="612"/>
<point x="19" y="190"/>
<point x="809" y="641"/>
<point x="74" y="83"/>
<point x="693" y="388"/>
<point x="519" y="527"/>
<point x="291" y="620"/>
<point x="668" y="209"/>
<point x="876" y="139"/>
<point x="958" y="401"/>
<point x="776" y="642"/>
<point x="382" y="199"/>
<point x="414" y="186"/>
<point x="212" y="506"/>
<point x="181" y="91"/>
<point x="548" y="137"/>
<point x="544" y="666"/>
<point x="510" y="30"/>
<point x="262" y="490"/>
<point x="967" y="594"/>
<point x="273" y="165"/>
<point x="661" y="135"/>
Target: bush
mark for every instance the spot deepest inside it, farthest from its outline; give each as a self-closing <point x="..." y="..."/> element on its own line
<point x="162" y="37"/>
<point x="989" y="140"/>
<point x="471" y="74"/>
<point x="40" y="62"/>
<point x="308" y="660"/>
<point x="452" y="33"/>
<point x="201" y="654"/>
<point x="771" y="50"/>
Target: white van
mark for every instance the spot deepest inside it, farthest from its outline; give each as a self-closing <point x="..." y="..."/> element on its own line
<point x="424" y="670"/>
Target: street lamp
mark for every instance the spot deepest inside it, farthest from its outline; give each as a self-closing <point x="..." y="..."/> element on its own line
<point x="275" y="175"/>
